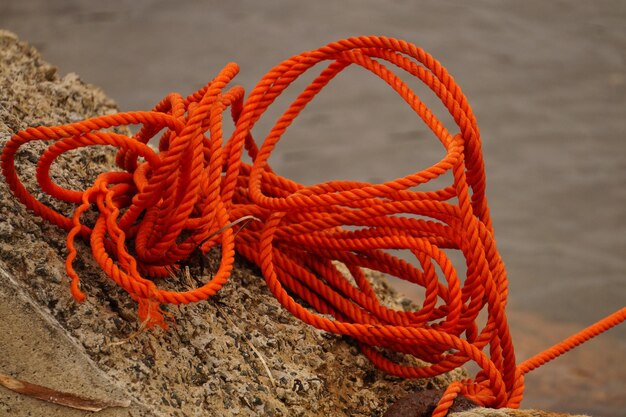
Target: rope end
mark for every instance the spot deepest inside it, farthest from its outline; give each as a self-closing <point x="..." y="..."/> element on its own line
<point x="151" y="314"/>
<point x="78" y="295"/>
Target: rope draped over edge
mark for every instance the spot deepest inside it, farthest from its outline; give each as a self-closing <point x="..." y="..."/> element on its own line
<point x="153" y="214"/>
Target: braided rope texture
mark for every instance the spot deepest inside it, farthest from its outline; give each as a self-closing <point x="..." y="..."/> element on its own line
<point x="162" y="206"/>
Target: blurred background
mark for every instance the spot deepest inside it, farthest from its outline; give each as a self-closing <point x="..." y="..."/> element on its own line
<point x="546" y="80"/>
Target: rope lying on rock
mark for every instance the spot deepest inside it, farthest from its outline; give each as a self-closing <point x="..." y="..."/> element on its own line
<point x="162" y="206"/>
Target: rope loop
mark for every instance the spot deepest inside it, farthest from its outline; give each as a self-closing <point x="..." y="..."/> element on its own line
<point x="190" y="194"/>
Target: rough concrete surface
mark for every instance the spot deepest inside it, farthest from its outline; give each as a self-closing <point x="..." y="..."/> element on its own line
<point x="204" y="365"/>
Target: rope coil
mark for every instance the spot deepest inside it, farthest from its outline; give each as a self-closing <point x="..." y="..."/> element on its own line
<point x="152" y="214"/>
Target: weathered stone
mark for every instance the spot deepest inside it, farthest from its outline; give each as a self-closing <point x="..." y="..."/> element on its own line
<point x="423" y="403"/>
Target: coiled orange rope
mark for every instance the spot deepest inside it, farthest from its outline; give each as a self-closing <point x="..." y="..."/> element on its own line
<point x="153" y="213"/>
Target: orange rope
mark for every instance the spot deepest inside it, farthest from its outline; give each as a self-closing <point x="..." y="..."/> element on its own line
<point x="152" y="214"/>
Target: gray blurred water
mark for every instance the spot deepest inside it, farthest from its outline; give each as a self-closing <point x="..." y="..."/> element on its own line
<point x="546" y="80"/>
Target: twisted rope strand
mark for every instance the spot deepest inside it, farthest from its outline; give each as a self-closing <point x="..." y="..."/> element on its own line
<point x="163" y="206"/>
